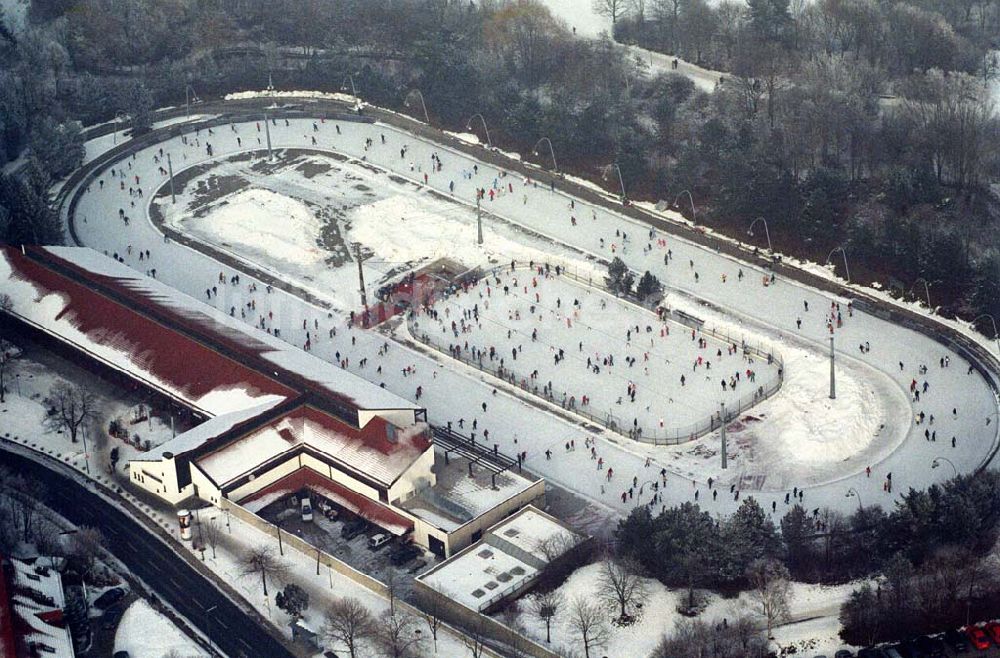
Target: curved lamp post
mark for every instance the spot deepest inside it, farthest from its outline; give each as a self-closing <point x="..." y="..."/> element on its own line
<point x="937" y="462"/>
<point x="621" y="181"/>
<point x="468" y="126"/>
<point x="190" y="96"/>
<point x="853" y="493"/>
<point x="767" y="233"/>
<point x="119" y="115"/>
<point x="343" y="85"/>
<point x="552" y="152"/>
<point x="694" y="213"/>
<point x="416" y="92"/>
<point x="927" y="291"/>
<point x="843" y="253"/>
<point x="994" y="322"/>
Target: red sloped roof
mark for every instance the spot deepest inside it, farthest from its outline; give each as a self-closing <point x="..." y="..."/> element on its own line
<point x="6" y="616"/>
<point x="183" y="366"/>
<point x="375" y="511"/>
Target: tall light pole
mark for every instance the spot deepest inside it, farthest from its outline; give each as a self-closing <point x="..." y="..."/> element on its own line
<point x="833" y="377"/>
<point x="479" y="220"/>
<point x="416" y="92"/>
<point x="927" y="291"/>
<point x="722" y="419"/>
<point x="552" y="152"/>
<point x="621" y="181"/>
<point x="468" y="126"/>
<point x="767" y="233"/>
<point x="119" y="115"/>
<point x="189" y="96"/>
<point x="937" y="462"/>
<point x="173" y="196"/>
<point x="694" y="213"/>
<point x="209" y="635"/>
<point x="853" y="493"/>
<point x="343" y="86"/>
<point x="992" y="320"/>
<point x="267" y="132"/>
<point x="842" y="253"/>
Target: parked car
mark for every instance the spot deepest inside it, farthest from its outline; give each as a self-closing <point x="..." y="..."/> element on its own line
<point x="843" y="653"/>
<point x="957" y="640"/>
<point x="403" y="554"/>
<point x="110" y="619"/>
<point x="993" y="630"/>
<point x="931" y="647"/>
<point x="375" y="542"/>
<point x="109" y="598"/>
<point x="977" y="637"/>
<point x="417" y="566"/>
<point x="121" y="654"/>
<point x="353" y="528"/>
<point x="895" y="651"/>
<point x="307" y="510"/>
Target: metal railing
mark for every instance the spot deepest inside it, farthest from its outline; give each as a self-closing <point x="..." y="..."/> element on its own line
<point x="611" y="421"/>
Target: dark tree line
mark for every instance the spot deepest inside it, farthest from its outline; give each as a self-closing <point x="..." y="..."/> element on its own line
<point x="797" y="133"/>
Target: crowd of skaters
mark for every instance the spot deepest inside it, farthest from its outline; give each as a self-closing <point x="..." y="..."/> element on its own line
<point x="643" y="487"/>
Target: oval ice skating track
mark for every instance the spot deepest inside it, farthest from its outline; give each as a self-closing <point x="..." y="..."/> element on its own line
<point x="516" y="425"/>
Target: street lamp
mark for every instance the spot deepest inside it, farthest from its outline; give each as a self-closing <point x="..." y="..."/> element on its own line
<point x="468" y="126"/>
<point x="842" y="253"/>
<point x="416" y="92"/>
<point x="621" y="181"/>
<point x="937" y="462"/>
<point x="767" y="233"/>
<point x="853" y="493"/>
<point x="209" y="634"/>
<point x="552" y="152"/>
<point x="343" y="85"/>
<point x="189" y="96"/>
<point x="694" y="214"/>
<point x="119" y="116"/>
<point x="927" y="291"/>
<point x="994" y="322"/>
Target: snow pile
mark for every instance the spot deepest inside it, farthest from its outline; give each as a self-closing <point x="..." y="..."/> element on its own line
<point x="146" y="633"/>
<point x="336" y="96"/>
<point x="266" y="222"/>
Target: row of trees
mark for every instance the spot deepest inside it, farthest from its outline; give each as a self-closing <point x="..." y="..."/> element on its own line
<point x="685" y="546"/>
<point x="797" y="133"/>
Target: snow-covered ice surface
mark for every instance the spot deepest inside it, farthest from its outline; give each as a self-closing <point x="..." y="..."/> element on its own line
<point x="451" y="391"/>
<point x="608" y="345"/>
<point x="818" y="604"/>
<point x="146" y="633"/>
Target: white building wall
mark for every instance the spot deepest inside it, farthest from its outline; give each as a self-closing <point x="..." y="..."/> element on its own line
<point x="275" y="473"/>
<point x="205" y="488"/>
<point x="332" y="473"/>
<point x="158" y="478"/>
<point x="398" y="417"/>
<point x="420" y="474"/>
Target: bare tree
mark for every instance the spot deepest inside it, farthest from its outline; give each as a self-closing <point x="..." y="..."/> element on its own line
<point x="556" y="545"/>
<point x="613" y="9"/>
<point x="545" y="606"/>
<point x="396" y="635"/>
<point x="70" y="407"/>
<point x="771" y="591"/>
<point x="212" y="532"/>
<point x="261" y="559"/>
<point x="621" y="585"/>
<point x="26" y="496"/>
<point x="588" y="624"/>
<point x="85" y="547"/>
<point x="474" y="638"/>
<point x="510" y="616"/>
<point x="431" y="611"/>
<point x="349" y="623"/>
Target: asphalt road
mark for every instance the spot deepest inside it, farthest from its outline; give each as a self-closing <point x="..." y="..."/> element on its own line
<point x="173" y="580"/>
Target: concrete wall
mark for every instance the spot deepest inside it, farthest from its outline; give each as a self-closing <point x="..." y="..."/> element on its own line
<point x="206" y="489"/>
<point x="332" y="473"/>
<point x="463" y="536"/>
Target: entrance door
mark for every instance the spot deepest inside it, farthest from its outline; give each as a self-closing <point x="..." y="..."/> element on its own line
<point x="436" y="546"/>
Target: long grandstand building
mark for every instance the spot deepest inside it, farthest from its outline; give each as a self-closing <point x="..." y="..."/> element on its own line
<point x="266" y="418"/>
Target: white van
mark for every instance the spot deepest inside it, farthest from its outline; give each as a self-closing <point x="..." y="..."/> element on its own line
<point x="307" y="510"/>
<point x="378" y="541"/>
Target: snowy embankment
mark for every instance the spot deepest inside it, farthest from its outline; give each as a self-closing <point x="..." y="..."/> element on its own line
<point x="146" y="633"/>
<point x="812" y="626"/>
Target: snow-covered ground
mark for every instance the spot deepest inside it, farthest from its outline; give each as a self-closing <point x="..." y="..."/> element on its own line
<point x="516" y="424"/>
<point x="818" y="605"/>
<point x="146" y="633"/>
<point x="609" y="348"/>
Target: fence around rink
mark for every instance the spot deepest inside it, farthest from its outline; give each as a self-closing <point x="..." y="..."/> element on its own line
<point x="612" y="422"/>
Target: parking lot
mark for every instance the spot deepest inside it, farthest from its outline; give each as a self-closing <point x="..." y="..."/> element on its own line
<point x="325" y="531"/>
